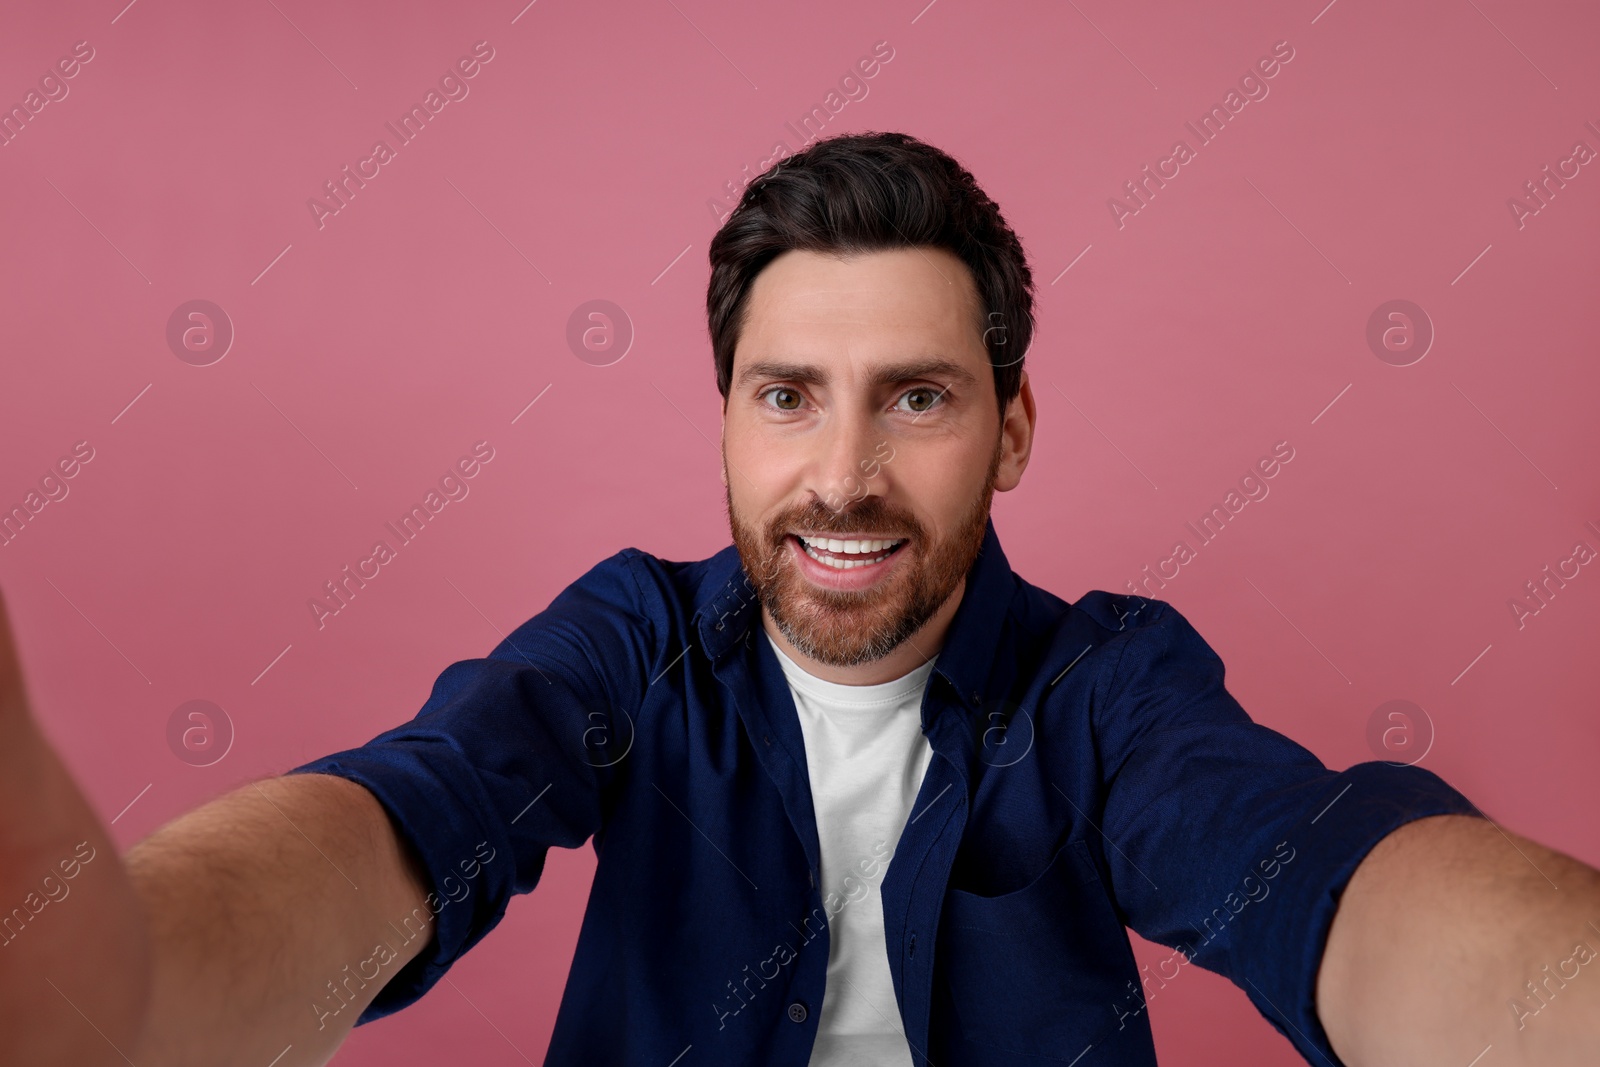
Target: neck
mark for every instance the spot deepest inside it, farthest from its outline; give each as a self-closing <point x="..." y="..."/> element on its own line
<point x="911" y="653"/>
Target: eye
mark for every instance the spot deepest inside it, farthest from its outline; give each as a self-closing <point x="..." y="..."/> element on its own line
<point x="923" y="398"/>
<point x="784" y="390"/>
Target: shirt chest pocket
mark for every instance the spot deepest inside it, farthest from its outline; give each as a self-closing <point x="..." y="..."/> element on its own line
<point x="1043" y="971"/>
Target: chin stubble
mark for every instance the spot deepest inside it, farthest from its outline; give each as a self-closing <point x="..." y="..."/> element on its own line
<point x="849" y="629"/>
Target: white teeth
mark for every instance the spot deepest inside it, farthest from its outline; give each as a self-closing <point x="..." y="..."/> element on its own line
<point x="853" y="547"/>
<point x="831" y="545"/>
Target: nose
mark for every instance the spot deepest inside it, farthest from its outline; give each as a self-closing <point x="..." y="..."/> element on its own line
<point x="846" y="467"/>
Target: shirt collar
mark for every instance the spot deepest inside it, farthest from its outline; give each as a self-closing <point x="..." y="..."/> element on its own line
<point x="728" y="612"/>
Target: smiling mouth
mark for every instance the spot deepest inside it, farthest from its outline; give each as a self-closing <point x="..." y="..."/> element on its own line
<point x="848" y="553"/>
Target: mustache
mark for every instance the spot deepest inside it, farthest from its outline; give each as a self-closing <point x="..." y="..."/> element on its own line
<point x="871" y="514"/>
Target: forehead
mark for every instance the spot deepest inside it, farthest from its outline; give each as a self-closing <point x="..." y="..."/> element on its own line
<point x="886" y="303"/>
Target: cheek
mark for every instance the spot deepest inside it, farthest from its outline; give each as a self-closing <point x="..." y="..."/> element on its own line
<point x="940" y="486"/>
<point x="765" y="478"/>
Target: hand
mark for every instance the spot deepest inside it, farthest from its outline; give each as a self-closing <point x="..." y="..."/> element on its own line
<point x="74" y="951"/>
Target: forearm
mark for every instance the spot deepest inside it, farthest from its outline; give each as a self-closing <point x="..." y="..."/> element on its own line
<point x="265" y="908"/>
<point x="1437" y="938"/>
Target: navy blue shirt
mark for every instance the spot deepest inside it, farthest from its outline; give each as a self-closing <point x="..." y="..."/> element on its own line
<point x="1090" y="772"/>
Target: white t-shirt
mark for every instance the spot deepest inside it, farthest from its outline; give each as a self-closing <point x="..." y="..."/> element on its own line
<point x="866" y="757"/>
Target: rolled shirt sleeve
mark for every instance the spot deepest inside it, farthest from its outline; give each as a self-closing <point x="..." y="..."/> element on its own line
<point x="1229" y="841"/>
<point x="505" y="759"/>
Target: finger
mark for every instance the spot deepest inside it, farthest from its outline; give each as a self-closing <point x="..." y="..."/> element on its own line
<point x="12" y="700"/>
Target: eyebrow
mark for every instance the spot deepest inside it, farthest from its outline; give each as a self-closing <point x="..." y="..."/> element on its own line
<point x="936" y="368"/>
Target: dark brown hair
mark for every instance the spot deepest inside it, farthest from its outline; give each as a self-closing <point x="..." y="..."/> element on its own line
<point x="865" y="192"/>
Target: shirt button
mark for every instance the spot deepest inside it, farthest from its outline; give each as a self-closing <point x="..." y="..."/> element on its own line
<point x="911" y="950"/>
<point x="797" y="1012"/>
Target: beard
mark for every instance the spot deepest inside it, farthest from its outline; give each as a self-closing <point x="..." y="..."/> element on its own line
<point x="849" y="628"/>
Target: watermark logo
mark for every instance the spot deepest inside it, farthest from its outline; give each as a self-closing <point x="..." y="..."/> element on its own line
<point x="344" y="989"/>
<point x="599" y="332"/>
<point x="1253" y="87"/>
<point x="1399" y="732"/>
<point x="607" y="738"/>
<point x="857" y="885"/>
<point x="853" y="87"/>
<point x="53" y="88"/>
<point x="199" y="332"/>
<point x="199" y="732"/>
<point x="1541" y="589"/>
<point x="1542" y="190"/>
<point x="14" y="518"/>
<point x="53" y="889"/>
<point x="1209" y="526"/>
<point x="454" y="85"/>
<point x="995" y="336"/>
<point x="1399" y="332"/>
<point x="1253" y="888"/>
<point x="1542" y="990"/>
<point x="870" y="467"/>
<point x="453" y="486"/>
<point x="1005" y="733"/>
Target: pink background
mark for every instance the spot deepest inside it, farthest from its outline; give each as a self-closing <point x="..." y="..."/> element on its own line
<point x="1227" y="315"/>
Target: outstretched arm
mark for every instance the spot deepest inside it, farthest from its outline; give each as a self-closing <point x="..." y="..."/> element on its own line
<point x="230" y="935"/>
<point x="276" y="913"/>
<point x="1454" y="941"/>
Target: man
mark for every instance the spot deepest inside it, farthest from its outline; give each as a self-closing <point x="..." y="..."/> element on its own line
<point x="859" y="793"/>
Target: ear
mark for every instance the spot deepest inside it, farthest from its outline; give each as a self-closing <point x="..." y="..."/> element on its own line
<point x="722" y="444"/>
<point x="1016" y="438"/>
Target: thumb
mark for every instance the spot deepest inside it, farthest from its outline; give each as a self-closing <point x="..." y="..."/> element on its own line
<point x="20" y="737"/>
<point x="13" y="699"/>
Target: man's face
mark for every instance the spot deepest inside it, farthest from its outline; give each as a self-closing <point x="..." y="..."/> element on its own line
<point x="862" y="409"/>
